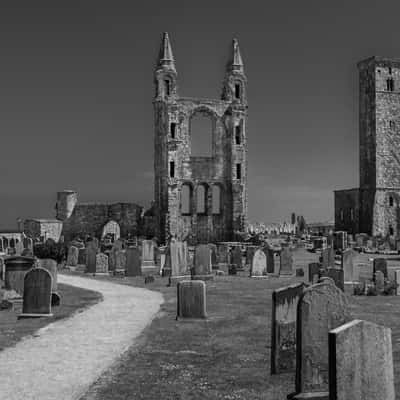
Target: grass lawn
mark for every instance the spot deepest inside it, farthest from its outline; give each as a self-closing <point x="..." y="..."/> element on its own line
<point x="72" y="300"/>
<point x="226" y="356"/>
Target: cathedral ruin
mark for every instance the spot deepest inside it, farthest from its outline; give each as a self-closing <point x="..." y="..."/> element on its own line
<point x="200" y="198"/>
<point x="373" y="208"/>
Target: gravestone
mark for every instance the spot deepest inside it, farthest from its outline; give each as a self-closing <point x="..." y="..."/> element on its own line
<point x="177" y="261"/>
<point x="258" y="264"/>
<point x="361" y="362"/>
<point x="322" y="307"/>
<point x="328" y="258"/>
<point x="286" y="267"/>
<point x="269" y="253"/>
<point x="72" y="259"/>
<point x="82" y="256"/>
<point x="37" y="294"/>
<point x="120" y="261"/>
<point x="202" y="263"/>
<point x="379" y="279"/>
<point x="133" y="265"/>
<point x="223" y="255"/>
<point x="214" y="256"/>
<point x="380" y="264"/>
<point x="283" y="328"/>
<point x="148" y="264"/>
<point x="191" y="299"/>
<point x="397" y="280"/>
<point x="348" y="265"/>
<point x="91" y="253"/>
<point x="313" y="272"/>
<point x="101" y="263"/>
<point x="236" y="258"/>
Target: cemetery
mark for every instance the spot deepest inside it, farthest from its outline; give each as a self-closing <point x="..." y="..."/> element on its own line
<point x="186" y="299"/>
<point x="221" y="329"/>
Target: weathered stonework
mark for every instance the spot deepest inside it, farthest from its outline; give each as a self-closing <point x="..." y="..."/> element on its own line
<point x="374" y="208"/>
<point x="176" y="169"/>
<point x="90" y="218"/>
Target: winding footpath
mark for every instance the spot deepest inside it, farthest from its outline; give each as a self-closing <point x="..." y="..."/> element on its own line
<point x="66" y="357"/>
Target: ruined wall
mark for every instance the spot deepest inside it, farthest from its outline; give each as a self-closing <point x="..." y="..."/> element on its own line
<point x="176" y="169"/>
<point x="36" y="228"/>
<point x="91" y="218"/>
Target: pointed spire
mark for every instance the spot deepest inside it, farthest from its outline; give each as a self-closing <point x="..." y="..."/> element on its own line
<point x="235" y="62"/>
<point x="165" y="57"/>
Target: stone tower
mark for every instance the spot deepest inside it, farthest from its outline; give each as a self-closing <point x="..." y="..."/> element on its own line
<point x="200" y="198"/>
<point x="373" y="208"/>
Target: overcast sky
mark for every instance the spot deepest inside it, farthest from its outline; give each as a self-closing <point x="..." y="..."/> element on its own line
<point x="76" y="87"/>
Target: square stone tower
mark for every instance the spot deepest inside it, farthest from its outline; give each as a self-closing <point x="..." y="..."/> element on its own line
<point x="203" y="199"/>
<point x="373" y="208"/>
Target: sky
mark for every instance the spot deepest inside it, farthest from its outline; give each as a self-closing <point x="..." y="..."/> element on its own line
<point x="76" y="90"/>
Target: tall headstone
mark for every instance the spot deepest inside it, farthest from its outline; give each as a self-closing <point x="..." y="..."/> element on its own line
<point x="191" y="299"/>
<point x="202" y="263"/>
<point x="269" y="253"/>
<point x="322" y="307"/>
<point x="37" y="294"/>
<point x="286" y="267"/>
<point x="348" y="265"/>
<point x="91" y="252"/>
<point x="148" y="264"/>
<point x="177" y="261"/>
<point x="380" y="264"/>
<point x="214" y="255"/>
<point x="133" y="264"/>
<point x="258" y="264"/>
<point x="379" y="279"/>
<point x="223" y="255"/>
<point x="72" y="258"/>
<point x="101" y="263"/>
<point x="283" y="328"/>
<point x="120" y="261"/>
<point x="361" y="362"/>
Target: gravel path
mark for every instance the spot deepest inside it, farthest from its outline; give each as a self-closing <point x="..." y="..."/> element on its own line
<point x="65" y="357"/>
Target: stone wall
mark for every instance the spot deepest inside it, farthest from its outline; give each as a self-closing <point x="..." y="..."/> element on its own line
<point x="91" y="218"/>
<point x="173" y="145"/>
<point x="45" y="229"/>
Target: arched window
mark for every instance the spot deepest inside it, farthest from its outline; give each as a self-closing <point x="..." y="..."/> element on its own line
<point x="391" y="232"/>
<point x="216" y="199"/>
<point x="186" y="199"/>
<point x="237" y="91"/>
<point x="341" y="215"/>
<point x="391" y="201"/>
<point x="238" y="134"/>
<point x="201" y="130"/>
<point x="201" y="199"/>
<point x="167" y="86"/>
<point x="172" y="169"/>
